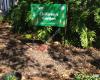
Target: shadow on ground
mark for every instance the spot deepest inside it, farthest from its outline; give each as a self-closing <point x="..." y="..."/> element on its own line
<point x="12" y="54"/>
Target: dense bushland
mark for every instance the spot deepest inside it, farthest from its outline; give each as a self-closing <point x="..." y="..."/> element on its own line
<point x="82" y="29"/>
<point x="84" y="21"/>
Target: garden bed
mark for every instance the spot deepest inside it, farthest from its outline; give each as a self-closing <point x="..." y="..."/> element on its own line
<point x="38" y="61"/>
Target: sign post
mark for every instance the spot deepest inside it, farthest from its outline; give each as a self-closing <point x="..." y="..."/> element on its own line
<point x="54" y="15"/>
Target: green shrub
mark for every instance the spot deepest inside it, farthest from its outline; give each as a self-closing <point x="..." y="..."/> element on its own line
<point x="83" y="21"/>
<point x="21" y="20"/>
<point x="43" y="34"/>
<point x="82" y="76"/>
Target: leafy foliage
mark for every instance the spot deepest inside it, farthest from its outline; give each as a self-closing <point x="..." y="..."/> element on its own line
<point x="82" y="76"/>
<point x="97" y="16"/>
<point x="43" y="34"/>
<point x="1" y="18"/>
<point x="84" y="37"/>
<point x="21" y="20"/>
<point x="83" y="21"/>
<point x="12" y="76"/>
<point x="27" y="36"/>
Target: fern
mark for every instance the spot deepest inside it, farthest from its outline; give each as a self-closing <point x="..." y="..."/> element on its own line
<point x="87" y="37"/>
<point x="91" y="37"/>
<point x="43" y="34"/>
<point x="84" y="37"/>
<point x="97" y="15"/>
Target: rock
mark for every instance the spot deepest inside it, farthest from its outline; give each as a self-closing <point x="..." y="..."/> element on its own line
<point x="50" y="66"/>
<point x="44" y="74"/>
<point x="65" y="58"/>
<point x="2" y="45"/>
<point x="56" y="43"/>
<point x="56" y="55"/>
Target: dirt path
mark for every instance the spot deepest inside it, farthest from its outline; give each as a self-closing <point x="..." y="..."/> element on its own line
<point x="48" y="63"/>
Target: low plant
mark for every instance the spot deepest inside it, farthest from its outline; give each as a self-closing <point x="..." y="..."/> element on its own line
<point x="83" y="76"/>
<point x="12" y="76"/>
<point x="43" y="34"/>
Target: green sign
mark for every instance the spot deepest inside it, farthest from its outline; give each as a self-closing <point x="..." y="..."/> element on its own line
<point x="49" y="14"/>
